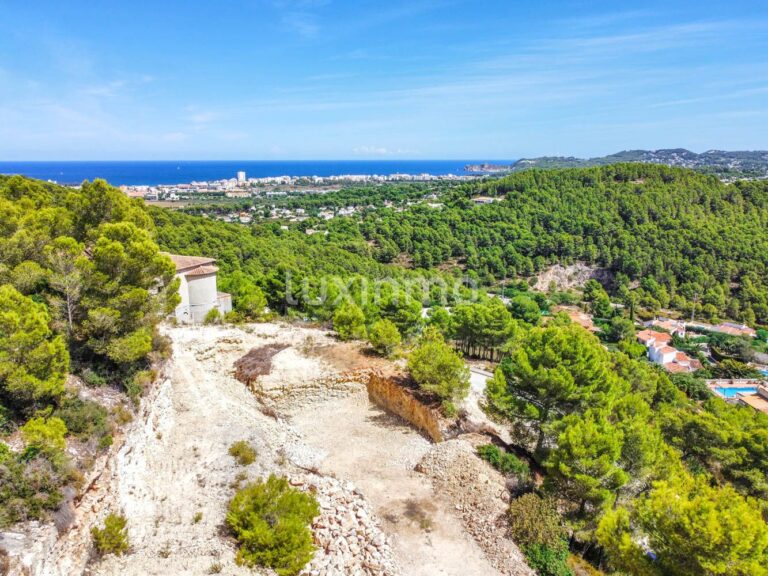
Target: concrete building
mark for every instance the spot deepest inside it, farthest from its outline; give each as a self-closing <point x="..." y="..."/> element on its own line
<point x="241" y="177"/>
<point x="198" y="288"/>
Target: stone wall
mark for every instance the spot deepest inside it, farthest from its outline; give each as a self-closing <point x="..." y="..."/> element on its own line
<point x="393" y="397"/>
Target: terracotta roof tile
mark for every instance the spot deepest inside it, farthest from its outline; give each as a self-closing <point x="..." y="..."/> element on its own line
<point x="187" y="262"/>
<point x="202" y="271"/>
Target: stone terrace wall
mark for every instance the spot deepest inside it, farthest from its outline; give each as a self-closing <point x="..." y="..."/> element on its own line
<point x="394" y="398"/>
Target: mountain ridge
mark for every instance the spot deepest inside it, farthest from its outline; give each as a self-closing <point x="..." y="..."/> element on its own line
<point x="726" y="164"/>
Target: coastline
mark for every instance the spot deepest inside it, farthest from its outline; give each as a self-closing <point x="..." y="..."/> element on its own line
<point x="167" y="172"/>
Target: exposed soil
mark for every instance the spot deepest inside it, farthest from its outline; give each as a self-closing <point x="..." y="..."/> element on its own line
<point x="310" y="419"/>
<point x="571" y="276"/>
<point x="379" y="452"/>
<point x="257" y="362"/>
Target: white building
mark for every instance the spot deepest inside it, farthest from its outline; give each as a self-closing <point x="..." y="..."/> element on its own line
<point x="661" y="352"/>
<point x="198" y="288"/>
<point x="241" y="177"/>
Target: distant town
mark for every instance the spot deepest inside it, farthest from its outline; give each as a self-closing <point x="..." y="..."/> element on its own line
<point x="243" y="187"/>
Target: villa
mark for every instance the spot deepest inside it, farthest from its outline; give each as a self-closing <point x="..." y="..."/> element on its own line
<point x="668" y="325"/>
<point x="197" y="289"/>
<point x="661" y="352"/>
<point x="729" y="328"/>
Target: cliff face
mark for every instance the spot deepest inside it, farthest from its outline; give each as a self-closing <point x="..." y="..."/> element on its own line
<point x="399" y="400"/>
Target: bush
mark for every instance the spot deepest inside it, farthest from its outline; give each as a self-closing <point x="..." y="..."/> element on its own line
<point x="30" y="485"/>
<point x="271" y="521"/>
<point x="113" y="538"/>
<point x="45" y="434"/>
<point x="384" y="337"/>
<point x="730" y="368"/>
<point x="349" y="321"/>
<point x="547" y="560"/>
<point x="535" y="526"/>
<point x="535" y="521"/>
<point x="131" y="347"/>
<point x="212" y="317"/>
<point x="504" y="462"/>
<point x="138" y="383"/>
<point x="243" y="452"/>
<point x="436" y="368"/>
<point x="449" y="409"/>
<point x="93" y="378"/>
<point x="84" y="419"/>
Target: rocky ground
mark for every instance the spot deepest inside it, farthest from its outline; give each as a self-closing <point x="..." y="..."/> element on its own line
<point x="571" y="276"/>
<point x="309" y="419"/>
<point x="480" y="496"/>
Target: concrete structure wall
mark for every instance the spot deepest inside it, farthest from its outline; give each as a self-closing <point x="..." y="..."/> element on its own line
<point x="203" y="296"/>
<point x="182" y="310"/>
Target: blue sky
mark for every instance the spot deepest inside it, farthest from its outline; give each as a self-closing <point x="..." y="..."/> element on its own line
<point x="325" y="79"/>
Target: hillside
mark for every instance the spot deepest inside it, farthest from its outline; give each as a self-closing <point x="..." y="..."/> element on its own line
<point x="610" y="438"/>
<point x="670" y="236"/>
<point x="737" y="164"/>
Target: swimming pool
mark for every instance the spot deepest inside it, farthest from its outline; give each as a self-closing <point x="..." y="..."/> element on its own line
<point x="731" y="392"/>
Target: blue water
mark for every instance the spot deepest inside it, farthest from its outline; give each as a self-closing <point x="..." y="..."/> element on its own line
<point x="177" y="172"/>
<point x="731" y="392"/>
<point x="764" y="372"/>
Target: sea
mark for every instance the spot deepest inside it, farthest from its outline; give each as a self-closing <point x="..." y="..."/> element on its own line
<point x="150" y="173"/>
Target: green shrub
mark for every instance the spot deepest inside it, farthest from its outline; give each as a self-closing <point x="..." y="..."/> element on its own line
<point x="349" y="321"/>
<point x="504" y="462"/>
<point x="45" y="434"/>
<point x="535" y="521"/>
<point x="84" y="419"/>
<point x="547" y="560"/>
<point x="93" y="378"/>
<point x="212" y="317"/>
<point x="384" y="337"/>
<point x="536" y="527"/>
<point x="271" y="521"/>
<point x="138" y="383"/>
<point x="449" y="408"/>
<point x="130" y="348"/>
<point x="243" y="452"/>
<point x="113" y="538"/>
<point x="436" y="367"/>
<point x="632" y="348"/>
<point x="30" y="484"/>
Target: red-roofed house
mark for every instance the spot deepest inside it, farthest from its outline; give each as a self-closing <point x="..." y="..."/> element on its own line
<point x="651" y="337"/>
<point x="668" y="325"/>
<point x="660" y="352"/>
<point x="197" y="288"/>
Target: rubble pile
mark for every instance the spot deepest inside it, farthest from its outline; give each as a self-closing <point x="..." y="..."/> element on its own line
<point x="480" y="497"/>
<point x="347" y="533"/>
